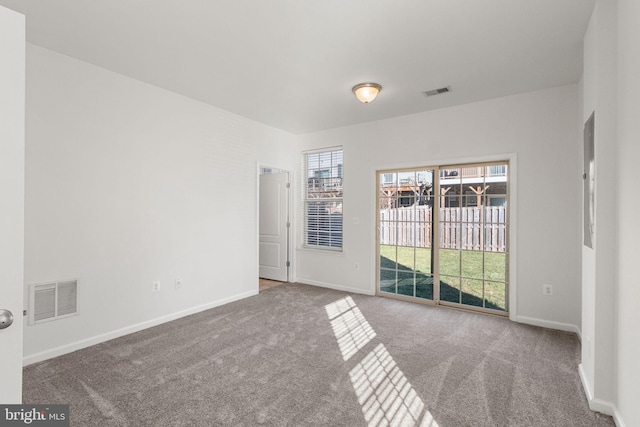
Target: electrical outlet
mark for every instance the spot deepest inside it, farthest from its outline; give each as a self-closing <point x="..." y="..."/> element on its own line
<point x="547" y="289"/>
<point x="178" y="283"/>
<point x="155" y="287"/>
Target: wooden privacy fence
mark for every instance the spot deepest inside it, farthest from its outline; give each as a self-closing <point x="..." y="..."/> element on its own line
<point x="468" y="228"/>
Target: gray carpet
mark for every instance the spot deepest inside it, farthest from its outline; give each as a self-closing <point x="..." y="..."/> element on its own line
<point x="298" y="355"/>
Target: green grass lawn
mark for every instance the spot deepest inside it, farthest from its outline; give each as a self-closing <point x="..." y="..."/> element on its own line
<point x="466" y="277"/>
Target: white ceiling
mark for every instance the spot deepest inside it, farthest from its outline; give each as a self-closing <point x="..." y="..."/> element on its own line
<point x="291" y="63"/>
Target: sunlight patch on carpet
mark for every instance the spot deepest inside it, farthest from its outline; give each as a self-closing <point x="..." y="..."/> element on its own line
<point x="386" y="396"/>
<point x="351" y="329"/>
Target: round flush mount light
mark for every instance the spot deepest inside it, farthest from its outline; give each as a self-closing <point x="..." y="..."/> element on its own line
<point x="366" y="92"/>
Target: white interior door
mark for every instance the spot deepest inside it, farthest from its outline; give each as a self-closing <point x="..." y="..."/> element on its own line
<point x="274" y="226"/>
<point x="12" y="104"/>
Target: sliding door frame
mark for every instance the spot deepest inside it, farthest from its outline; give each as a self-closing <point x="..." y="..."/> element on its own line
<point x="435" y="233"/>
<point x="511" y="274"/>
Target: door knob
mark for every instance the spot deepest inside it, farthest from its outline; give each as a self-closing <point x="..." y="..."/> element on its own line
<point x="6" y="318"/>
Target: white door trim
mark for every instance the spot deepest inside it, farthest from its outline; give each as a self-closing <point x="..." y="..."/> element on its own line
<point x="12" y="156"/>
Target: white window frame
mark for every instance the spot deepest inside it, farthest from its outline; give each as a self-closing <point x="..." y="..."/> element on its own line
<point x="320" y="187"/>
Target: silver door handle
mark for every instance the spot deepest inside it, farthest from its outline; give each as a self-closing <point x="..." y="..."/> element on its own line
<point x="6" y="318"/>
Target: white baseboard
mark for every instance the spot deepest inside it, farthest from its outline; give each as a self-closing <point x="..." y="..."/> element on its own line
<point x="78" y="345"/>
<point x="594" y="404"/>
<point x="567" y="327"/>
<point x="599" y="405"/>
<point x="333" y="286"/>
<point x="617" y="418"/>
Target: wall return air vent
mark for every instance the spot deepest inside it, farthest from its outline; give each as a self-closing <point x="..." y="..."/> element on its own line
<point x="54" y="300"/>
<point x="434" y="92"/>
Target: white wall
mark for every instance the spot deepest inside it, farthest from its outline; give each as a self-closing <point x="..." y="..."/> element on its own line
<point x="539" y="128"/>
<point x="599" y="270"/>
<point x="610" y="369"/>
<point x="12" y="103"/>
<point x="628" y="314"/>
<point x="129" y="184"/>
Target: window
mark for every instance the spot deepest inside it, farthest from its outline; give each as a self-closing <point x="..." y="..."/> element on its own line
<point x="323" y="199"/>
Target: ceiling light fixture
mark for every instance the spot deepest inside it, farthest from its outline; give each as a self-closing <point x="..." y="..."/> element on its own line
<point x="366" y="92"/>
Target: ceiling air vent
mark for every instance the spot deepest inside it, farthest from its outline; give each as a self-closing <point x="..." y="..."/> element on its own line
<point x="434" y="92"/>
<point x="51" y="301"/>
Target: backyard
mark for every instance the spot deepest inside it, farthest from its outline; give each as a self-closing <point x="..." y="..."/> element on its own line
<point x="473" y="278"/>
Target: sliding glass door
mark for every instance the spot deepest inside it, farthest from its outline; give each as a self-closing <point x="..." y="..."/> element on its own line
<point x="473" y="250"/>
<point x="446" y="225"/>
<point x="405" y="233"/>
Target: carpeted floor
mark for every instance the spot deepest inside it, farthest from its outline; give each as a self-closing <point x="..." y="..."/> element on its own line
<point x="298" y="355"/>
